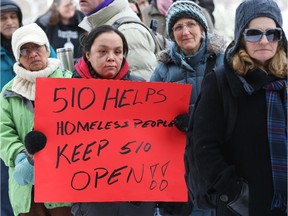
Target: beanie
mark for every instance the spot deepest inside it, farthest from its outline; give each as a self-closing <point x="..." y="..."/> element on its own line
<point x="251" y="9"/>
<point x="9" y="6"/>
<point x="184" y="9"/>
<point x="30" y="33"/>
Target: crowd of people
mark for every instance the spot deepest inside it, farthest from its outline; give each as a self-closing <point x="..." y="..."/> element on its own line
<point x="239" y="86"/>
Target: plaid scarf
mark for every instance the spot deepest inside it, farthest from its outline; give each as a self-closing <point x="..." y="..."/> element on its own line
<point x="277" y="136"/>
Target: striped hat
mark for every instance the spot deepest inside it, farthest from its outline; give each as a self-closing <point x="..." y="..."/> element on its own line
<point x="184" y="9"/>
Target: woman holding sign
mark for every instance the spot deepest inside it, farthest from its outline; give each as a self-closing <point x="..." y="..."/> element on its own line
<point x="31" y="50"/>
<point x="105" y="50"/>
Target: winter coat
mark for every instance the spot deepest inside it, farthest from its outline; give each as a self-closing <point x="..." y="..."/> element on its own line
<point x="13" y="132"/>
<point x="60" y="34"/>
<point x="224" y="165"/>
<point x="189" y="70"/>
<point x="174" y="67"/>
<point x="141" y="56"/>
<point x="7" y="62"/>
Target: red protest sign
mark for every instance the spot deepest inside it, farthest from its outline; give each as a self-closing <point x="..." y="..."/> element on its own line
<point x="109" y="140"/>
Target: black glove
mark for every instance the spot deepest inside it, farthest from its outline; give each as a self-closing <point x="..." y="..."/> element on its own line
<point x="34" y="141"/>
<point x="181" y="122"/>
<point x="240" y="205"/>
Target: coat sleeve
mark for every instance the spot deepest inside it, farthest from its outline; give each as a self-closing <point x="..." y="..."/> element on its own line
<point x="11" y="143"/>
<point x="208" y="142"/>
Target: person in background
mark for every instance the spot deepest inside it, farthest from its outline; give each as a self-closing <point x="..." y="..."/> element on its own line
<point x="11" y="20"/>
<point x="246" y="173"/>
<point x="106" y="46"/>
<point x="135" y="7"/>
<point x="60" y="23"/>
<point x="143" y="4"/>
<point x="141" y="44"/>
<point x="192" y="55"/>
<point x="31" y="50"/>
<point x="157" y="10"/>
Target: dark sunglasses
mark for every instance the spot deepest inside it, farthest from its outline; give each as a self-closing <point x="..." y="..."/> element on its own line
<point x="255" y="35"/>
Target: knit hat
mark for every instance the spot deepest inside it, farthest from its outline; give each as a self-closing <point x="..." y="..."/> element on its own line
<point x="251" y="9"/>
<point x="30" y="33"/>
<point x="9" y="6"/>
<point x="184" y="9"/>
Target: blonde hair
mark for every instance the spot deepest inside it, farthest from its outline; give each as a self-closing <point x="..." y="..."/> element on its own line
<point x="242" y="63"/>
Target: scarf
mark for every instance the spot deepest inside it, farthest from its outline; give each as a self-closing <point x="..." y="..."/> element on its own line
<point x="277" y="137"/>
<point x="25" y="81"/>
<point x="82" y="69"/>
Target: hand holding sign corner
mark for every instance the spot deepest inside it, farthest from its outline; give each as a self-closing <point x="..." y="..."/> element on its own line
<point x="105" y="136"/>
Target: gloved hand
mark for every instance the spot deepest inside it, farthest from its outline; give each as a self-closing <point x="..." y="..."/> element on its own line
<point x="181" y="122"/>
<point x="240" y="205"/>
<point x="24" y="170"/>
<point x="34" y="141"/>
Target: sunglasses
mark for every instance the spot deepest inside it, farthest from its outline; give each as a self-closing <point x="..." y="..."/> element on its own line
<point x="255" y="35"/>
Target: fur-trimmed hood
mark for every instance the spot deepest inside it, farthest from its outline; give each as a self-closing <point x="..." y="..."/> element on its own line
<point x="216" y="44"/>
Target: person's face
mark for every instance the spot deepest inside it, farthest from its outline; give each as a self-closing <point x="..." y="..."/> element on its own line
<point x="106" y="55"/>
<point x="9" y="23"/>
<point x="263" y="50"/>
<point x="34" y="57"/>
<point x="67" y="8"/>
<point x="187" y="34"/>
<point x="87" y="6"/>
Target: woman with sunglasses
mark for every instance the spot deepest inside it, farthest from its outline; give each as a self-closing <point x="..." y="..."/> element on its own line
<point x="246" y="173"/>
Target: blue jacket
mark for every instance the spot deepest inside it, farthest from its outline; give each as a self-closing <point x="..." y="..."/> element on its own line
<point x="174" y="67"/>
<point x="7" y="63"/>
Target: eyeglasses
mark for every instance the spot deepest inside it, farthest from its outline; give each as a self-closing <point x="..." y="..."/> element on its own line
<point x="26" y="51"/>
<point x="255" y="35"/>
<point x="180" y="27"/>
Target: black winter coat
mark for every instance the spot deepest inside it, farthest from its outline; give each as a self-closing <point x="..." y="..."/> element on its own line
<point x="223" y="165"/>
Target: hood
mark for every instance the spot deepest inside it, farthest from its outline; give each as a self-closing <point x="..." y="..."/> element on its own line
<point x="249" y="10"/>
<point x="9" y="5"/>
